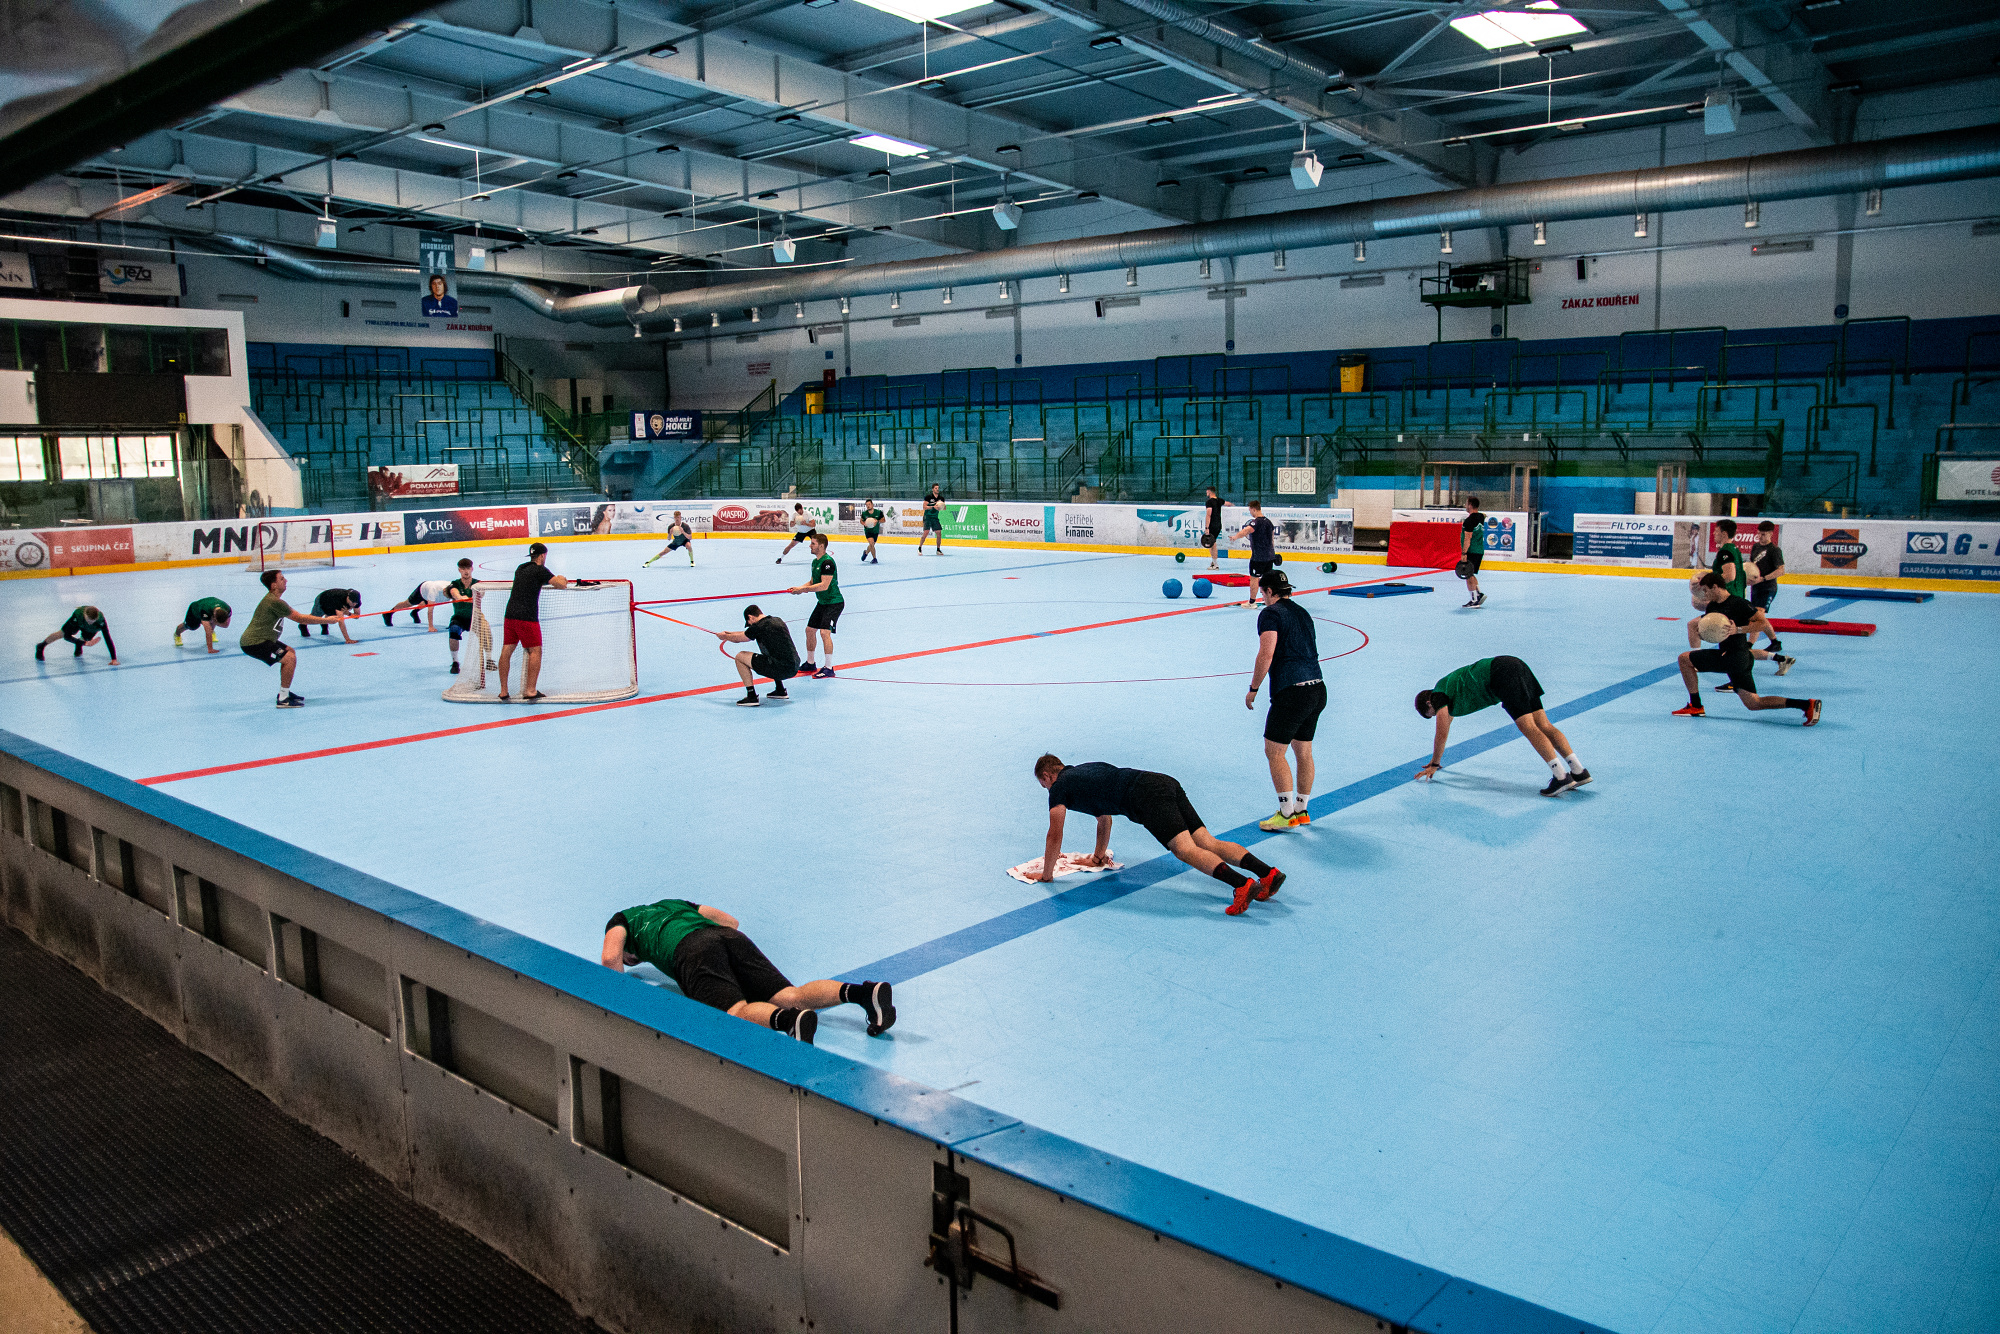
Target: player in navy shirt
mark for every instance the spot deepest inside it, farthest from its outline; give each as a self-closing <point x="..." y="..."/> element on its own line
<point x="1288" y="653"/>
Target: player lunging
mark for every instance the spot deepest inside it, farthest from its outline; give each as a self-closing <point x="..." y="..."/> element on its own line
<point x="804" y="526"/>
<point x="1731" y="654"/>
<point x="678" y="536"/>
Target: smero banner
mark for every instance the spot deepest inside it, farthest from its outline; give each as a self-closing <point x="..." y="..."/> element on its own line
<point x="432" y="527"/>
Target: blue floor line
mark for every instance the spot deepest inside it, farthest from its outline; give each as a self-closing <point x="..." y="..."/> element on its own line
<point x="1819" y="613"/>
<point x="1097" y="891"/>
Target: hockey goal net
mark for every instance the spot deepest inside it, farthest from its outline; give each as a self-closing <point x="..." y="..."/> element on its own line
<point x="291" y="544"/>
<point x="589" y="650"/>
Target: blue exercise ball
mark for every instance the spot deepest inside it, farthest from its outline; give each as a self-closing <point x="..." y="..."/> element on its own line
<point x="1202" y="588"/>
<point x="1172" y="588"/>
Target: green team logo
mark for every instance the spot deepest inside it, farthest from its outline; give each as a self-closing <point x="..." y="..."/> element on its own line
<point x="964" y="521"/>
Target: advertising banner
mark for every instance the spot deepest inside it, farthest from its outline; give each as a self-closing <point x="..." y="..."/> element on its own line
<point x="653" y="516"/>
<point x="1968" y="479"/>
<point x="573" y="520"/>
<point x="1310" y="530"/>
<point x="1624" y="539"/>
<point x="135" y="279"/>
<point x="1506" y="533"/>
<point x="436" y="253"/>
<point x="418" y="479"/>
<point x="1117" y="525"/>
<point x="433" y="527"/>
<point x="751" y="516"/>
<point x="1017" y="523"/>
<point x="964" y="522"/>
<point x="73" y="547"/>
<point x="657" y="425"/>
<point x="1927" y="549"/>
<point x="15" y="274"/>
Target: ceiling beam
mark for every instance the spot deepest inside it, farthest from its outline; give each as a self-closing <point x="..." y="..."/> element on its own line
<point x="1777" y="62"/>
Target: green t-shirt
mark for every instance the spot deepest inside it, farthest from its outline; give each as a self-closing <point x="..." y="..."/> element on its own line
<point x="210" y="608"/>
<point x="79" y="622"/>
<point x="1728" y="553"/>
<point x="871" y="522"/>
<point x="655" y="931"/>
<point x="824" y="568"/>
<point x="461" y="611"/>
<point x="1470" y="688"/>
<point x="1475" y="524"/>
<point x="263" y="627"/>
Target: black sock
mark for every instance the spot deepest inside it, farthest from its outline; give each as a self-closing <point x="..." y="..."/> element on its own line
<point x="1253" y="866"/>
<point x="1799" y="704"/>
<point x="1227" y="876"/>
<point x="854" y="993"/>
<point x="782" y="1020"/>
<point x="1694" y="699"/>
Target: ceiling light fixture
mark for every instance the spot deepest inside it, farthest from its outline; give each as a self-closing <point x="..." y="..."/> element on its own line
<point x="843" y="305"/>
<point x="768" y="194"/>
<point x="1008" y="148"/>
<point x="1006" y="214"/>
<point x="1159" y="120"/>
<point x="1562" y="50"/>
<point x="784" y="250"/>
<point x="1306" y="170"/>
<point x="1718" y="112"/>
<point x="1278" y="261"/>
<point x="921" y="11"/>
<point x="1444" y="243"/>
<point x="1752" y="215"/>
<point x="1171" y="183"/>
<point x="664" y="49"/>
<point x="1497" y="29"/>
<point x="756" y="315"/>
<point x="1353" y="157"/>
<point x="1360" y="252"/>
<point x="565" y="175"/>
<point x="1105" y="42"/>
<point x="345" y="157"/>
<point x="1204" y="270"/>
<point x="1541" y="233"/>
<point x="1639" y="225"/>
<point x="1086" y="194"/>
<point x="1132" y="275"/>
<point x="882" y="227"/>
<point x="677" y="324"/>
<point x="798" y="310"/>
<point x="895" y="301"/>
<point x="535" y="94"/>
<point x="1852" y="86"/>
<point x="1873" y="205"/>
<point x="947" y="296"/>
<point x="714" y="320"/>
<point x="588" y="231"/>
<point x="1003" y="289"/>
<point x="882" y="143"/>
<point x="930" y="85"/>
<point x="1811" y="5"/>
<point x="1454" y="143"/>
<point x="668" y="148"/>
<point x="789" y="118"/>
<point x="1062" y="283"/>
<point x="1252" y="173"/>
<point x="817" y="4"/>
<point x="435" y="127"/>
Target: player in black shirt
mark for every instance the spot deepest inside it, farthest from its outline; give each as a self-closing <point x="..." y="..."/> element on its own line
<point x="82" y="628"/>
<point x="1263" y="535"/>
<point x="1732" y="655"/>
<point x="933" y="519"/>
<point x="776" y="656"/>
<point x="523" y="622"/>
<point x="333" y="602"/>
<point x="1472" y="551"/>
<point x="1211" y="528"/>
<point x="1157" y="802"/>
<point x="1288" y="653"/>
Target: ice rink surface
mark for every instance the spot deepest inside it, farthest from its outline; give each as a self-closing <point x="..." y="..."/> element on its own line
<point x="1712" y="1044"/>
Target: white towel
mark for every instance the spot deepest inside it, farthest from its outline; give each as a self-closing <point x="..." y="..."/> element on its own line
<point x="1068" y="863"/>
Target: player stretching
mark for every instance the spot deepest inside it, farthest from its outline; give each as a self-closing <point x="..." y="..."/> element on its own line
<point x="871" y="528"/>
<point x="776" y="656"/>
<point x="338" y="602"/>
<point x="1472" y="550"/>
<point x="713" y="962"/>
<point x="1287" y="652"/>
<point x="462" y="602"/>
<point x="825" y="586"/>
<point x="425" y="597"/>
<point x="263" y="639"/>
<point x="206" y="615"/>
<point x="1509" y="683"/>
<point x="1157" y="802"/>
<point x="1731" y="655"/>
<point x="82" y="628"/>
<point x="523" y="622"/>
<point x="1263" y="535"/>
<point x="933" y="518"/>
<point x="804" y="526"/>
<point x="1728" y="560"/>
<point x="1211" y="528"/>
<point x="678" y="534"/>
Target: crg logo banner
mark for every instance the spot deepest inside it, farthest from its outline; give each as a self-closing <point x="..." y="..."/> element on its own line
<point x="431" y="527"/>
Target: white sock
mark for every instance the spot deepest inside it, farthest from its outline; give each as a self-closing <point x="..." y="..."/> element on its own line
<point x="1556" y="768"/>
<point x="1285" y="800"/>
<point x="1574" y="766"/>
<point x="1300" y="801"/>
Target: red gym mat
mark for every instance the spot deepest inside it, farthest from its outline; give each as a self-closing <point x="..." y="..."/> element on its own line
<point x="1857" y="628"/>
<point x="1228" y="580"/>
<point x="1424" y="546"/>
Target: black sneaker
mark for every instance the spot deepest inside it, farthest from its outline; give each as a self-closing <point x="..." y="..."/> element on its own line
<point x="1558" y="786"/>
<point x="38" y="653"/>
<point x="1469" y="602"/>
<point x="288" y="700"/>
<point x="881" y="1008"/>
<point x="780" y="692"/>
<point x="454" y="668"/>
<point x="389" y="619"/>
<point x="1479" y="601"/>
<point x="1579" y="777"/>
<point x="749" y="700"/>
<point x="78" y="653"/>
<point x="416" y="618"/>
<point x="804" y="1026"/>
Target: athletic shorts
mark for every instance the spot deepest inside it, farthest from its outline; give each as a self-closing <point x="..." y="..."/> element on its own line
<point x="1157" y="802"/>
<point x="528" y="634"/>
<point x="1260" y="568"/>
<point x="933" y="521"/>
<point x="1761" y="594"/>
<point x="270" y="652"/>
<point x="719" y="966"/>
<point x="803" y="535"/>
<point x="678" y="542"/>
<point x="1471" y="564"/>
<point x="459" y="628"/>
<point x="417" y="594"/>
<point x="1515" y="684"/>
<point x="1295" y="713"/>
<point x="1737" y="665"/>
<point x="192" y="619"/>
<point x="1210" y="536"/>
<point x="825" y="616"/>
<point x="763" y="666"/>
<point x="871" y="533"/>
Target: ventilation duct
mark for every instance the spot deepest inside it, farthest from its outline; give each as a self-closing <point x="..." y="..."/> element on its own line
<point x="1917" y="159"/>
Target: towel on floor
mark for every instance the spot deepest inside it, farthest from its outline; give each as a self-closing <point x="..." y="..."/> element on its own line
<point x="1068" y="863"/>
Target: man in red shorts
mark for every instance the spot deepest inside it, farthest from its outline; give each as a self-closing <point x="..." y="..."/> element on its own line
<point x="523" y="624"/>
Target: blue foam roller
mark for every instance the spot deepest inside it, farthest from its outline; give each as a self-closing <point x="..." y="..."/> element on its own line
<point x="1379" y="590"/>
<point x="1202" y="588"/>
<point x="1172" y="588"/>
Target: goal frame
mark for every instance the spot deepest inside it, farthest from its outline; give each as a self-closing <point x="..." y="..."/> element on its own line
<point x="270" y="547"/>
<point x="501" y="588"/>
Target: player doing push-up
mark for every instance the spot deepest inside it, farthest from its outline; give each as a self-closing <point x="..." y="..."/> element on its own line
<point x="82" y="628"/>
<point x="1508" y="682"/>
<point x="702" y="950"/>
<point x="206" y="615"/>
<point x="425" y="597"/>
<point x="1157" y="802"/>
<point x="340" y="602"/>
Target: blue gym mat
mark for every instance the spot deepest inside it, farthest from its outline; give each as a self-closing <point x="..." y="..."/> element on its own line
<point x="1380" y="591"/>
<point x="1871" y="594"/>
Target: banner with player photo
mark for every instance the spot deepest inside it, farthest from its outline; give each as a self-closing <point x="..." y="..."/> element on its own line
<point x="436" y="256"/>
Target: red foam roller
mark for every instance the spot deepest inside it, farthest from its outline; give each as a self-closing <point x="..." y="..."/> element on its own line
<point x="1857" y="628"/>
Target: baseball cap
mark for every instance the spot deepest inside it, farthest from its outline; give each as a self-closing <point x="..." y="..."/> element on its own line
<point x="1274" y="581"/>
<point x="537" y="549"/>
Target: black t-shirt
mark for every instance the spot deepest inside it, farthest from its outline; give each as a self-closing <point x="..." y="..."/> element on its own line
<point x="1767" y="556"/>
<point x="1214" y="524"/>
<point x="1297" y="658"/>
<point x="1093" y="789"/>
<point x="1741" y="612"/>
<point x="332" y="602"/>
<point x="774" y="641"/>
<point x="1263" y="538"/>
<point x="525" y="602"/>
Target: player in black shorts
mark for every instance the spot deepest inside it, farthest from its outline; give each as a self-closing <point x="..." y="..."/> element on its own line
<point x="334" y="602"/>
<point x="1472" y="551"/>
<point x="713" y="962"/>
<point x="1157" y="802"/>
<point x="1263" y="535"/>
<point x="1510" y="683"/>
<point x="82" y="628"/>
<point x="460" y="591"/>
<point x="933" y="519"/>
<point x="829" y="603"/>
<point x="1211" y="527"/>
<point x="804" y="526"/>
<point x="776" y="655"/>
<point x="1732" y="655"/>
<point x="1288" y="653"/>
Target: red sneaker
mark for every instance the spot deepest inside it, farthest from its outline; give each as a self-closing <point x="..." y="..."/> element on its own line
<point x="1812" y="712"/>
<point x="1241" y="903"/>
<point x="1691" y="711"/>
<point x="1268" y="884"/>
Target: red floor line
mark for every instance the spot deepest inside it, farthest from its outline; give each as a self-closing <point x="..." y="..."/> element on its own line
<point x="540" y="717"/>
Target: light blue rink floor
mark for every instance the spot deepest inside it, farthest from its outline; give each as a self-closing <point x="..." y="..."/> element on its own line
<point x="1710" y="1045"/>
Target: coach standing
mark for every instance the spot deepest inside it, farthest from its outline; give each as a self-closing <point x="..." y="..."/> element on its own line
<point x="523" y="624"/>
<point x="1288" y="653"/>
